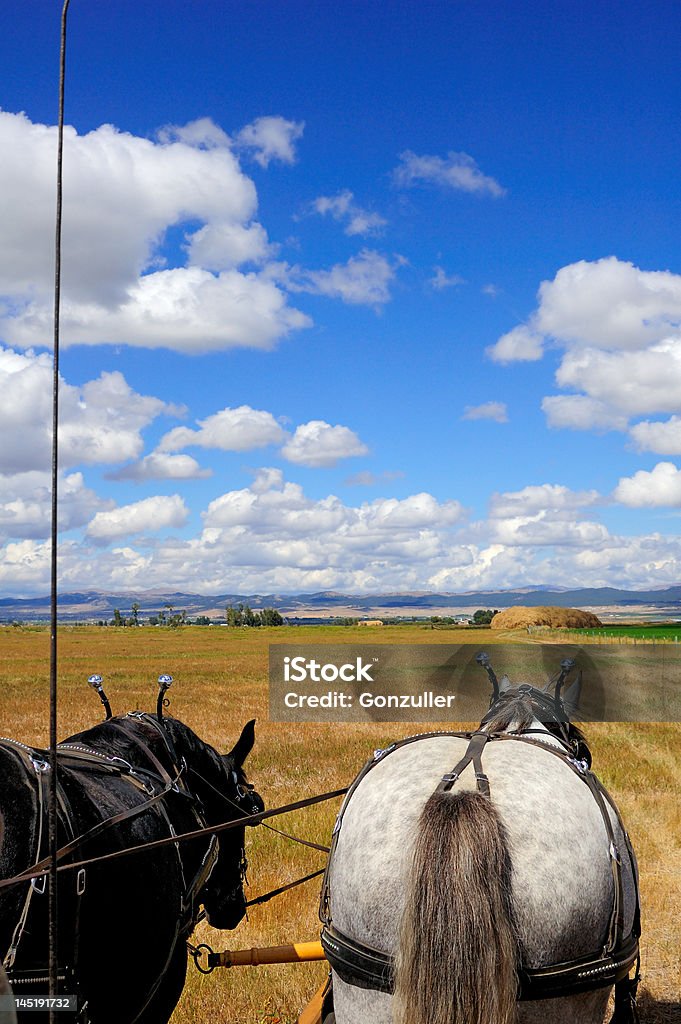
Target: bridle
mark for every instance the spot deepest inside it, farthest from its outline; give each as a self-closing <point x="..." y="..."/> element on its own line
<point x="547" y="708"/>
<point x="366" y="967"/>
<point x="245" y="803"/>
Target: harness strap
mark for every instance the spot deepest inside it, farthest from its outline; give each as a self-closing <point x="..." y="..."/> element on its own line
<point x="603" y="800"/>
<point x="144" y="716"/>
<point x="356" y="963"/>
<point x="616" y="929"/>
<point x="366" y="967"/>
<point x="266" y="897"/>
<point x="80" y="885"/>
<point x="476" y="745"/>
<point x="38" y="975"/>
<point x="626" y="1011"/>
<point x="297" y="839"/>
<point x="189" y="915"/>
<point x="40" y="768"/>
<point x="96" y="830"/>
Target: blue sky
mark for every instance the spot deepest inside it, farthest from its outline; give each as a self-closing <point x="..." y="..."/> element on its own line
<point x="383" y="297"/>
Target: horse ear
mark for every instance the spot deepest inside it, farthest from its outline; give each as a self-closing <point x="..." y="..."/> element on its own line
<point x="504" y="684"/>
<point x="244" y="744"/>
<point x="572" y="696"/>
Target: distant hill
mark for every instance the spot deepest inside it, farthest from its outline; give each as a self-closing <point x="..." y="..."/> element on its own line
<point x="94" y="605"/>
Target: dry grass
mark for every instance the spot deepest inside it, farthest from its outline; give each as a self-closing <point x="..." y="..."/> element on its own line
<point x="220" y="682"/>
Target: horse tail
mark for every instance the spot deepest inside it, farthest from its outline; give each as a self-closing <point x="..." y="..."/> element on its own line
<point x="458" y="944"/>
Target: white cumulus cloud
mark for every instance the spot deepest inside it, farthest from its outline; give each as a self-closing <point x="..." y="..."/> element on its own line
<point x="342" y="207"/>
<point x="580" y="412"/>
<point x="662" y="437"/>
<point x="223" y="246"/>
<point x="534" y="498"/>
<point x="100" y="422"/>
<point x="364" y="280"/>
<point x="633" y="383"/>
<point x="544" y="529"/>
<point x="318" y="443"/>
<point x="26" y="504"/>
<point x="441" y="280"/>
<point x="609" y="304"/>
<point x="519" y="345"/>
<point x="457" y="171"/>
<point x="161" y="466"/>
<point x="187" y="309"/>
<point x="279" y="518"/>
<point x="656" y="488"/>
<point x="496" y="411"/>
<point x="231" y="430"/>
<point x="270" y="138"/>
<point x="146" y="516"/>
<point x="544" y="515"/>
<point x="620" y="331"/>
<point x="122" y="193"/>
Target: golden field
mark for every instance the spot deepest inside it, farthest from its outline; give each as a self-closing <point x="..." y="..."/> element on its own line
<point x="220" y="682"/>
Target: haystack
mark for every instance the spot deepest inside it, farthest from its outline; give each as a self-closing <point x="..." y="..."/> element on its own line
<point x="518" y="617"/>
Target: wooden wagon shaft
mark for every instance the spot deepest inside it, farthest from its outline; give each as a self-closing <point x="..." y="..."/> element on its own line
<point x="292" y="953"/>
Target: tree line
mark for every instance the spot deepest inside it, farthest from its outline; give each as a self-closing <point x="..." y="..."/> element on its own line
<point x="241" y="615"/>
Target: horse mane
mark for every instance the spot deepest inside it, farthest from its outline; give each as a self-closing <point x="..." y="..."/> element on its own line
<point x="516" y="708"/>
<point x="184" y="736"/>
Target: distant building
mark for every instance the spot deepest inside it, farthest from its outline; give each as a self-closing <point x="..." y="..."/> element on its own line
<point x="370" y="622"/>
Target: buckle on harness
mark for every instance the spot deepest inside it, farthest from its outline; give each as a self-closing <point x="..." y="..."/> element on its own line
<point x="450" y="777"/>
<point x="39" y="884"/>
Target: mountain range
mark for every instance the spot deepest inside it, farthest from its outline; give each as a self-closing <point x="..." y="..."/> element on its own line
<point x="94" y="605"/>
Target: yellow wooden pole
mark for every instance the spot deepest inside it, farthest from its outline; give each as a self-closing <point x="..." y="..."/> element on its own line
<point x="292" y="953"/>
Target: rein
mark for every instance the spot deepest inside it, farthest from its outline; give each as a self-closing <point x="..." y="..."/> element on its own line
<point x="286" y="835"/>
<point x="248" y="820"/>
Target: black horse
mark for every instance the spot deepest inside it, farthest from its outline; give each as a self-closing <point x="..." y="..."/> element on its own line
<point x="123" y="922"/>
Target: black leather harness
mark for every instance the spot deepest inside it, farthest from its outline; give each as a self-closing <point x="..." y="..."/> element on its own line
<point x="156" y="783"/>
<point x="366" y="967"/>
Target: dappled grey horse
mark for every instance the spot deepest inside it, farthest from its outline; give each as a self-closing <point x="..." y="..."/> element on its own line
<point x="504" y="891"/>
